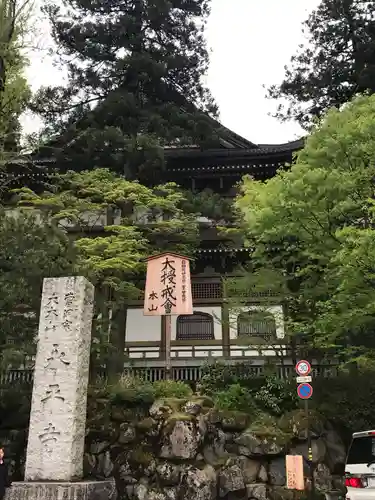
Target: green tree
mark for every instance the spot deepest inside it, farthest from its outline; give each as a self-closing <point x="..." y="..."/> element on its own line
<point x="136" y="73"/>
<point x="335" y="63"/>
<point x="29" y="252"/>
<point x="312" y="228"/>
<point x="14" y="90"/>
<point x="139" y="222"/>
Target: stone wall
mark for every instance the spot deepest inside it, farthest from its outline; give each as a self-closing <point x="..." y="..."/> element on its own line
<point x="185" y="448"/>
<point x="176" y="448"/>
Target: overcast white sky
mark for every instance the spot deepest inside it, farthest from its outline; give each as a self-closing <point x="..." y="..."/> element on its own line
<point x="251" y="41"/>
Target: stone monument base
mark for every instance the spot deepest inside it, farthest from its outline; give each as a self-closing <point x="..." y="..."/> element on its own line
<point x="84" y="490"/>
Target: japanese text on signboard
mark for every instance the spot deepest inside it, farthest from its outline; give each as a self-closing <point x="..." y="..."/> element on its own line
<point x="168" y="288"/>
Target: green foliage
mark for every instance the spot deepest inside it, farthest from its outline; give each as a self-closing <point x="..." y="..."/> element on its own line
<point x="172" y="388"/>
<point x="236" y="387"/>
<point x="14" y="90"/>
<point x="210" y="205"/>
<point x="341" y="31"/>
<point x="311" y="228"/>
<point x="137" y="87"/>
<point x="218" y="376"/>
<point x="266" y="426"/>
<point x="346" y="400"/>
<point x="276" y="395"/>
<point x="139" y="221"/>
<point x="15" y="406"/>
<point x="29" y="252"/>
<point x="131" y="390"/>
<point x="236" y="398"/>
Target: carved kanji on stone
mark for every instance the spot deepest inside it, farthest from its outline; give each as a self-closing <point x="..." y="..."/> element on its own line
<point x="49" y="436"/>
<point x="56" y="359"/>
<point x="53" y="392"/>
<point x="58" y="412"/>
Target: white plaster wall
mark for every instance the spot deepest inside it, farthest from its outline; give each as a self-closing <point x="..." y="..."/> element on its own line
<point x="147" y="328"/>
<point x="91" y="219"/>
<point x="142" y="328"/>
<point x="276" y="311"/>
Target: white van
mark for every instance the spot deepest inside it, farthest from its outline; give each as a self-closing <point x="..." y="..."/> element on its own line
<point x="360" y="467"/>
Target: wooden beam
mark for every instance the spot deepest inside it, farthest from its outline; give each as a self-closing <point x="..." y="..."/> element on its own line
<point x="175" y="343"/>
<point x="225" y="329"/>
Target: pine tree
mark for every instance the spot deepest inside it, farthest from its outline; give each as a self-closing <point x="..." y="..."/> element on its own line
<point x="136" y="72"/>
<point x="140" y="221"/>
<point x="335" y="63"/>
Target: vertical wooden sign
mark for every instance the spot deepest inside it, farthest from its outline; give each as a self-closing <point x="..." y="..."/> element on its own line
<point x="167" y="293"/>
<point x="168" y="286"/>
<point x="294" y="472"/>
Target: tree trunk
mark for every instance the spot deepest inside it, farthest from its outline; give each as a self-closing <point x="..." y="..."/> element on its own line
<point x="115" y="367"/>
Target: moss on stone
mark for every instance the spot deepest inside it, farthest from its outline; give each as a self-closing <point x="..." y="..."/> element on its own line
<point x="117" y="414"/>
<point x="296" y="422"/>
<point x="145" y="424"/>
<point x="266" y="426"/>
<point x="203" y="401"/>
<point x="230" y="420"/>
<point x="220" y="462"/>
<point x="102" y="401"/>
<point x="175" y="404"/>
<point x="177" y="417"/>
<point x="282" y="493"/>
<point x="141" y="456"/>
<point x="98" y="418"/>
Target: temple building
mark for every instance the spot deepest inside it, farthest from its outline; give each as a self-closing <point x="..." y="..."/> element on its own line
<point x="255" y="331"/>
<point x="215" y="331"/>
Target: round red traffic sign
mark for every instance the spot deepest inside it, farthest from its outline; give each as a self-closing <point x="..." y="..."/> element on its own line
<point x="304" y="391"/>
<point x="303" y="368"/>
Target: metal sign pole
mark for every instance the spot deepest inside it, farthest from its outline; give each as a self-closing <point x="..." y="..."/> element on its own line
<point x="309" y="449"/>
<point x="305" y="391"/>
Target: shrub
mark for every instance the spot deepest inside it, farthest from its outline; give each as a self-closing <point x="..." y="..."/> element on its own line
<point x="347" y="401"/>
<point x="171" y="389"/>
<point x="236" y="398"/>
<point x="276" y="396"/>
<point x="218" y="376"/>
<point x="130" y="389"/>
<point x="15" y="405"/>
<point x="270" y="393"/>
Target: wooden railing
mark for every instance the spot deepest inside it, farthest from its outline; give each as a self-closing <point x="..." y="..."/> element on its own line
<point x="211" y="349"/>
<point x="11" y="377"/>
<point x="189" y="371"/>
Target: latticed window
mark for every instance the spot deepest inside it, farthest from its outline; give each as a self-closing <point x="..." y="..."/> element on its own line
<point x="197" y="326"/>
<point x="256" y="324"/>
<point x="206" y="290"/>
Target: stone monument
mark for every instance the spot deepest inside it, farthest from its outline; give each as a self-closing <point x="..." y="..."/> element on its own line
<point x="54" y="459"/>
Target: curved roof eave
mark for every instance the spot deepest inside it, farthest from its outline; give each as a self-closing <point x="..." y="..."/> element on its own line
<point x="260" y="150"/>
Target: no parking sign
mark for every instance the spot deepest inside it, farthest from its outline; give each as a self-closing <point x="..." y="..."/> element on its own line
<point x="304" y="391"/>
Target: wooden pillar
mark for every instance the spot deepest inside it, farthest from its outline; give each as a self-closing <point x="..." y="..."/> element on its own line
<point x="165" y="344"/>
<point x="163" y="340"/>
<point x="225" y="328"/>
